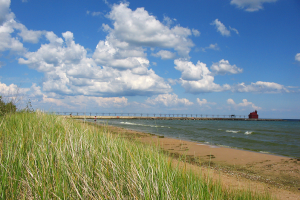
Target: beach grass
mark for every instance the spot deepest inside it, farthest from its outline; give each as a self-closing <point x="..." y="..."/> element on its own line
<point x="45" y="156"/>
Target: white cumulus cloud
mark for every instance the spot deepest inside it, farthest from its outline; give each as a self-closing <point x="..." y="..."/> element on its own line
<point x="221" y="27"/>
<point x="11" y="90"/>
<point x="197" y="78"/>
<point x="244" y="104"/>
<point x="211" y="46"/>
<point x="297" y="57"/>
<point x="4" y="10"/>
<point x="189" y="71"/>
<point x="9" y="26"/>
<point x="196" y="32"/>
<point x="223" y="67"/>
<point x="204" y="102"/>
<point x="164" y="54"/>
<point x="113" y="54"/>
<point x="139" y="28"/>
<point x="57" y="102"/>
<point x="250" y="5"/>
<point x="260" y="87"/>
<point x="7" y="42"/>
<point x="103" y="102"/>
<point x="108" y="102"/>
<point x="39" y="98"/>
<point x="168" y="100"/>
<point x="68" y="71"/>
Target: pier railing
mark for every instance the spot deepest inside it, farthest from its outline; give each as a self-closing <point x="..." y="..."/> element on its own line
<point x="147" y="115"/>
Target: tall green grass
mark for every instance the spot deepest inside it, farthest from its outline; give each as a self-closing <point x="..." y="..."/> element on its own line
<point x="49" y="157"/>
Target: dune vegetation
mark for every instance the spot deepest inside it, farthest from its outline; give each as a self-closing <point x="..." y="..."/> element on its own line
<point x="45" y="156"/>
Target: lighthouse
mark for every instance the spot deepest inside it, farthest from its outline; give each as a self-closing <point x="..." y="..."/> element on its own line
<point x="253" y="115"/>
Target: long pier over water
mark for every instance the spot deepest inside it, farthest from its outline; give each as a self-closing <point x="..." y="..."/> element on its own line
<point x="143" y="116"/>
<point x="167" y="118"/>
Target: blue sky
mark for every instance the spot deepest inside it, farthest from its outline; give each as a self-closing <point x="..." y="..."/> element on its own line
<point x="196" y="57"/>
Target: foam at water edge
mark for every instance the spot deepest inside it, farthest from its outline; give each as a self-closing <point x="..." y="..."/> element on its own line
<point x="231" y="131"/>
<point x="248" y="132"/>
<point x="264" y="152"/>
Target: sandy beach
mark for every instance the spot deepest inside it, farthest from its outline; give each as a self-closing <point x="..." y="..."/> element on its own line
<point x="260" y="172"/>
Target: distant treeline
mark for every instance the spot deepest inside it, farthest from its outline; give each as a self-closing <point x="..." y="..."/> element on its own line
<point x="9" y="106"/>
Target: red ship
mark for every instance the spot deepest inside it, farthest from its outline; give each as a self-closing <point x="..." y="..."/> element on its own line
<point x="253" y="115"/>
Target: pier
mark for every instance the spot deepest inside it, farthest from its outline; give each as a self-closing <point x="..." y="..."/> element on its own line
<point x="171" y="118"/>
<point x="143" y="116"/>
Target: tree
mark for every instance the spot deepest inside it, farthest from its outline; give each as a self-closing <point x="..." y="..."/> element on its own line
<point x="8" y="107"/>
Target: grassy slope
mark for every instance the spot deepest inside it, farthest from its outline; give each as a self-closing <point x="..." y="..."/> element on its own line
<point x="48" y="157"/>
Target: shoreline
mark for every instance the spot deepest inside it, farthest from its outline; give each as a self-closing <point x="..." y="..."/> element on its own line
<point x="243" y="148"/>
<point x="276" y="174"/>
<point x="227" y="147"/>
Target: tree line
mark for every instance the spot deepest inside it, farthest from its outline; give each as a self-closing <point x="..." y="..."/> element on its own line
<point x="10" y="106"/>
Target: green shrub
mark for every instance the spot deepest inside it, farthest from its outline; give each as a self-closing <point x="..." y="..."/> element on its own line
<point x="8" y="107"/>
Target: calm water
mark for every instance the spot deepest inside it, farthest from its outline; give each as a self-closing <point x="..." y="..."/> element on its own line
<point x="281" y="138"/>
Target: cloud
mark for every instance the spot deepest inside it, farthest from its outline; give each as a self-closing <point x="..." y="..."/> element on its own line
<point x="244" y="104"/>
<point x="204" y="102"/>
<point x="4" y="10"/>
<point x="164" y="54"/>
<point x="111" y="101"/>
<point x="196" y="32"/>
<point x="197" y="78"/>
<point x="189" y="71"/>
<point x="103" y="102"/>
<point x="93" y="13"/>
<point x="68" y="71"/>
<point x="297" y="57"/>
<point x="35" y="91"/>
<point x="223" y="67"/>
<point x="221" y="27"/>
<point x="75" y="102"/>
<point x="168" y="21"/>
<point x="30" y="35"/>
<point x="7" y="42"/>
<point x="250" y="5"/>
<point x="260" y="87"/>
<point x="172" y="81"/>
<point x="211" y="46"/>
<point x="38" y="98"/>
<point x="113" y="54"/>
<point x="57" y="102"/>
<point x="168" y="100"/>
<point x="234" y="29"/>
<point x="205" y="85"/>
<point x="11" y="90"/>
<point x="13" y="93"/>
<point x="9" y="26"/>
<point x="139" y="28"/>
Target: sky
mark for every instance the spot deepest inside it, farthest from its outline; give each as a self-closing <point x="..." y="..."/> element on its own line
<point x="215" y="57"/>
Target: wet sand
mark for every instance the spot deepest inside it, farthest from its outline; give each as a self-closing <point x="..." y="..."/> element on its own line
<point x="278" y="175"/>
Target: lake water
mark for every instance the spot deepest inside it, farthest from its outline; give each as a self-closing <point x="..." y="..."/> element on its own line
<point x="274" y="137"/>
